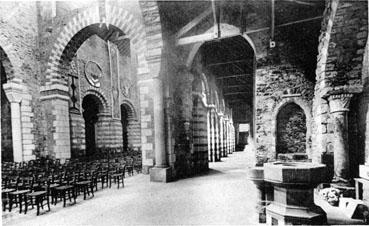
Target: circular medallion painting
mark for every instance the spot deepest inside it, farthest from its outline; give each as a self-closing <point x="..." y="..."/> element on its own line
<point x="93" y="73"/>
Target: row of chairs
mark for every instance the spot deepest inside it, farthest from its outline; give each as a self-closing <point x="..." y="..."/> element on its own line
<point x="30" y="184"/>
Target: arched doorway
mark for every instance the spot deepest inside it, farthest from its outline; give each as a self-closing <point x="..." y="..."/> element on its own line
<point x="91" y="107"/>
<point x="6" y="126"/>
<point x="228" y="63"/>
<point x="291" y="129"/>
<point x="130" y="127"/>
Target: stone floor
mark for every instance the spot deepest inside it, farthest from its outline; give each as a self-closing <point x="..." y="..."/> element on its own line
<point x="223" y="196"/>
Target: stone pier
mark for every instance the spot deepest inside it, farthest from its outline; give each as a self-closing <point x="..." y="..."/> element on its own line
<point x="339" y="106"/>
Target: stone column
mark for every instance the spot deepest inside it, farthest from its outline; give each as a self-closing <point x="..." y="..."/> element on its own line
<point x="160" y="172"/>
<point x="339" y="106"/>
<point x="212" y="133"/>
<point x="216" y="140"/>
<point x="14" y="92"/>
<point x="225" y="137"/>
<point x="209" y="134"/>
<point x="221" y="145"/>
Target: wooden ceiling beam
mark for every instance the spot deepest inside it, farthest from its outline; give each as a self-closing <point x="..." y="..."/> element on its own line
<point x="227" y="62"/>
<point x="193" y="23"/>
<point x="210" y="36"/>
<point x="232" y="76"/>
<point x="237" y="93"/>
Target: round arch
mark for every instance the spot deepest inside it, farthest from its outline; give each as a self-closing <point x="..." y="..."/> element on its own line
<point x="119" y="18"/>
<point x="7" y="64"/>
<point x="308" y="114"/>
<point x="104" y="107"/>
<point x="230" y="31"/>
<point x="131" y="111"/>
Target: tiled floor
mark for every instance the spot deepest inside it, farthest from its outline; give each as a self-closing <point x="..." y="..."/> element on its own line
<point x="223" y="196"/>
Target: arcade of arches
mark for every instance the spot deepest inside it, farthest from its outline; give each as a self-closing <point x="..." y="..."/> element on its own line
<point x="79" y="77"/>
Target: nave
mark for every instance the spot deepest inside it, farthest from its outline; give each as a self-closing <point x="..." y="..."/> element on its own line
<point x="223" y="196"/>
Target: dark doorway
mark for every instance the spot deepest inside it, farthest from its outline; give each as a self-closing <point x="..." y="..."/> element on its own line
<point x="291" y="129"/>
<point x="90" y="105"/>
<point x="124" y="120"/>
<point x="6" y="125"/>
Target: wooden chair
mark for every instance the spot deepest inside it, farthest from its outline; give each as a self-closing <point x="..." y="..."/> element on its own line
<point x="38" y="195"/>
<point x="5" y="197"/>
<point x="18" y="197"/>
<point x="84" y="183"/>
<point x="137" y="165"/>
<point x="64" y="191"/>
<point x="118" y="176"/>
<point x="129" y="166"/>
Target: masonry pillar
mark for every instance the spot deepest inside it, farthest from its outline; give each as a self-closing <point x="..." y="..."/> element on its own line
<point x="55" y="103"/>
<point x="210" y="157"/>
<point x="339" y="106"/>
<point x="212" y="120"/>
<point x="160" y="172"/>
<point x="225" y="137"/>
<point x="216" y="140"/>
<point x="233" y="139"/>
<point x="221" y="146"/>
<point x="14" y="92"/>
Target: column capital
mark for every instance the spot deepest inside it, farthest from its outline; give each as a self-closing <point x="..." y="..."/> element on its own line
<point x="339" y="102"/>
<point x="14" y="90"/>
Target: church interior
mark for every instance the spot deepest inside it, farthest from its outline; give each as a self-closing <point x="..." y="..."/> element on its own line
<point x="161" y="112"/>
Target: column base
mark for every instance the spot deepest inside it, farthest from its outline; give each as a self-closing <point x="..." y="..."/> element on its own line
<point x="294" y="215"/>
<point x="161" y="174"/>
<point x="146" y="169"/>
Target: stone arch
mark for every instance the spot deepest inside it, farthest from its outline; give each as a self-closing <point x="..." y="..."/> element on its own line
<point x="6" y="69"/>
<point x="92" y="122"/>
<point x="339" y="51"/>
<point x="230" y="31"/>
<point x="148" y="47"/>
<point x="104" y="107"/>
<point x="7" y="64"/>
<point x="130" y="126"/>
<point x="132" y="114"/>
<point x="119" y="18"/>
<point x="308" y="114"/>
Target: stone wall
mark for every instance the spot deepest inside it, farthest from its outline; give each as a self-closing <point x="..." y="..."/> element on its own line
<point x="277" y="85"/>
<point x="6" y="127"/>
<point x="291" y="129"/>
<point x="108" y="130"/>
<point x="19" y="39"/>
<point x="363" y="116"/>
<point x="340" y="70"/>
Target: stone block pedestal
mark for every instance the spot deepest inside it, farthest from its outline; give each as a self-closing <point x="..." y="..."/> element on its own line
<point x="265" y="191"/>
<point x="294" y="184"/>
<point x="364" y="171"/>
<point x="161" y="174"/>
